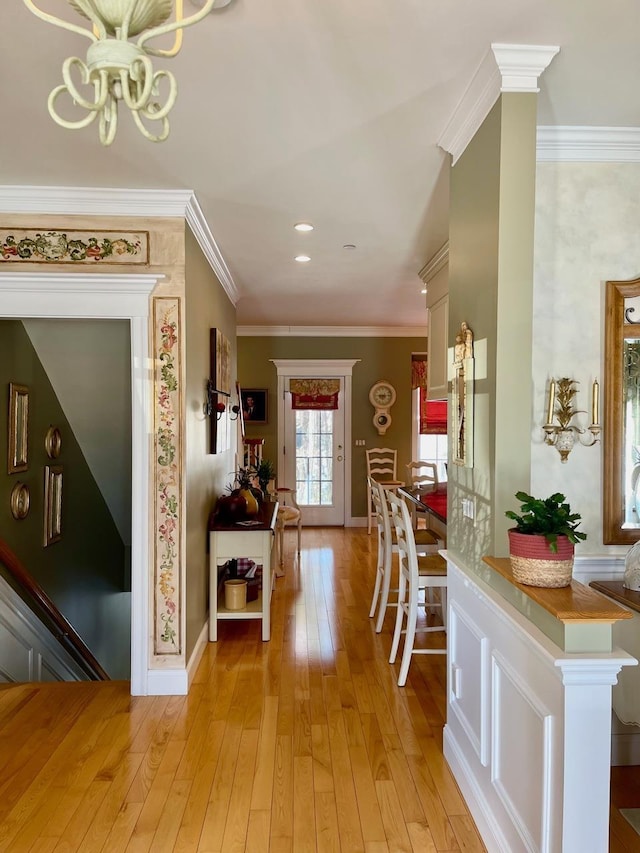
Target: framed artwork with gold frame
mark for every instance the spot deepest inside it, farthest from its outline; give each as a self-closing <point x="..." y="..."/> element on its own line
<point x="462" y="391"/>
<point x="18" y="430"/>
<point x="52" y="504"/>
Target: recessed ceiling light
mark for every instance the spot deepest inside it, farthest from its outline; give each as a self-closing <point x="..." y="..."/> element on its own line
<point x="349" y="246"/>
<point x="424" y="290"/>
<point x="303" y="226"/>
<point x="302" y="259"/>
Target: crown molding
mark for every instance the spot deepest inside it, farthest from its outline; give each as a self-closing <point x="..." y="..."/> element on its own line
<point x="435" y="264"/>
<point x="521" y="64"/>
<point x="332" y="331"/>
<point x="588" y="144"/>
<point x="505" y="68"/>
<point x="110" y="201"/>
<point x="201" y="231"/>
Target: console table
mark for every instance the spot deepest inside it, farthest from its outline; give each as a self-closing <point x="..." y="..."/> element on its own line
<point x="254" y="542"/>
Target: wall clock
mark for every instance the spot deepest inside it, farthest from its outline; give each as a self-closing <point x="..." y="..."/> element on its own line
<point x="382" y="396"/>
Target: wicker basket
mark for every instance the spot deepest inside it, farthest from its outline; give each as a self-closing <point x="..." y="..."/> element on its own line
<point x="534" y="564"/>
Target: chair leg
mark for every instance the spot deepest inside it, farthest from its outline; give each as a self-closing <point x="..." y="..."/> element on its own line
<point x="398" y="627"/>
<point x="384" y="593"/>
<point x="376" y="588"/>
<point x="299" y="535"/>
<point x="409" y="638"/>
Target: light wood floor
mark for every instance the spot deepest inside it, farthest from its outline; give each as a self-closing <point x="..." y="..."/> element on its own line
<point x="304" y="743"/>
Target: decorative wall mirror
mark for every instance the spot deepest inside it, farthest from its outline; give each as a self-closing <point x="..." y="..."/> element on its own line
<point x="462" y="398"/>
<point x="621" y="442"/>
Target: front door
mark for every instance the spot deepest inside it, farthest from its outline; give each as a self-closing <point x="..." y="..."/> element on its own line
<point x="314" y="461"/>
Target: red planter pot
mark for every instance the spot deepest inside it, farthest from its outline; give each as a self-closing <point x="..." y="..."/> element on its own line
<point x="534" y="564"/>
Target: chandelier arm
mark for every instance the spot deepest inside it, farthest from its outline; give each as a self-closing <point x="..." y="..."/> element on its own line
<point x="108" y="121"/>
<point x="151" y="111"/>
<point x="58" y="22"/>
<point x="126" y="21"/>
<point x="164" y="133"/>
<point x="177" y="44"/>
<point x="131" y="75"/>
<point x="175" y="25"/>
<point x="69" y="125"/>
<point x="101" y="85"/>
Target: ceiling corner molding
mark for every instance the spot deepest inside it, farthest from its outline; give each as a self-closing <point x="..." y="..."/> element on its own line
<point x="505" y="68"/>
<point x="93" y="201"/>
<point x="201" y="231"/>
<point x="332" y="331"/>
<point x="435" y="264"/>
<point x="588" y="144"/>
<point x="481" y="94"/>
<point x="521" y="64"/>
<point x="111" y="201"/>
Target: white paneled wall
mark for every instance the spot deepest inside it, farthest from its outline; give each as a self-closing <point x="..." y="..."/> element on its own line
<point x="528" y="732"/>
<point x="28" y="652"/>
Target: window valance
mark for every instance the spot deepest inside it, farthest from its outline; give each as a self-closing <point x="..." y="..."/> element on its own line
<point x="314" y="393"/>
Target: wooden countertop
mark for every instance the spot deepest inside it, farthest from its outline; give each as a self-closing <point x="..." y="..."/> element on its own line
<point x="569" y="604"/>
<point x="615" y="589"/>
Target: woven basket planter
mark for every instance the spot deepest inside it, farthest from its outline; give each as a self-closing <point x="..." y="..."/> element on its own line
<point x="534" y="564"/>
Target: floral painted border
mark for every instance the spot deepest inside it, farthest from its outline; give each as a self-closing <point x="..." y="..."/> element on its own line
<point x="167" y="522"/>
<point x="73" y="247"/>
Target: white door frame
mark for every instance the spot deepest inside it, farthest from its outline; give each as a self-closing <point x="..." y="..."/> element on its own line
<point x="80" y="295"/>
<point x="313" y="368"/>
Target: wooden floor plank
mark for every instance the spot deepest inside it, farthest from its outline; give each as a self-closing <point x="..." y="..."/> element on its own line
<point x="303" y="744"/>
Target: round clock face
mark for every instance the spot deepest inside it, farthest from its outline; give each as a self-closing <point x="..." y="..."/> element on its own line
<point x="382" y="395"/>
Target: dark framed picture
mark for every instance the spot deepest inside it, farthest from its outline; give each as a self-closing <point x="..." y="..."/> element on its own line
<point x="254" y="405"/>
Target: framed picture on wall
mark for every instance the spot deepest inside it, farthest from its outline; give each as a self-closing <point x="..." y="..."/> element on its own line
<point x="218" y="391"/>
<point x="254" y="405"/>
<point x="18" y="428"/>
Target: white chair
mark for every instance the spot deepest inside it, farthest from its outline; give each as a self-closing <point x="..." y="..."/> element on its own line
<point x="425" y="542"/>
<point x="416" y="572"/>
<point x="288" y="513"/>
<point x="421" y="474"/>
<point x="382" y="464"/>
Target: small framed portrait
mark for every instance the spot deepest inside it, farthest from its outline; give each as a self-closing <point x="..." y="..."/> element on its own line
<point x="254" y="405"/>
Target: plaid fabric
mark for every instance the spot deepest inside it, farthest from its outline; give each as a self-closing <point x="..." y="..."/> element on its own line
<point x="250" y="570"/>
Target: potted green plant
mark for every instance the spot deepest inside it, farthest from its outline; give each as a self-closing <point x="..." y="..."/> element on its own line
<point x="265" y="472"/>
<point x="541" y="545"/>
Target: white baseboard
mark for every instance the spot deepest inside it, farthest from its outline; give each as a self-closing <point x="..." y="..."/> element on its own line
<point x="356" y="521"/>
<point x="603" y="568"/>
<point x="196" y="655"/>
<point x="167" y="682"/>
<point x="489" y="831"/>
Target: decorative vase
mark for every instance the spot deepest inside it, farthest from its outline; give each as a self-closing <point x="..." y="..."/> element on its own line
<point x="534" y="564"/>
<point x="253" y="507"/>
<point x="631" y="578"/>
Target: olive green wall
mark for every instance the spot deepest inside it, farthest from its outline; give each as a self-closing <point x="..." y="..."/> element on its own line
<point x="490" y="287"/>
<point x="83" y="573"/>
<point x="380" y="358"/>
<point x="206" y="306"/>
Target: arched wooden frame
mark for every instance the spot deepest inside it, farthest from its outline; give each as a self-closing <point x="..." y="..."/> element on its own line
<point x="617" y="330"/>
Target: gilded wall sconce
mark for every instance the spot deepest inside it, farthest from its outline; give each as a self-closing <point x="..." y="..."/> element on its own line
<point x="563" y="434"/>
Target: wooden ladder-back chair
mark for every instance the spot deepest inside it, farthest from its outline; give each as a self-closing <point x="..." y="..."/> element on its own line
<point x="425" y="542"/>
<point x="382" y="465"/>
<point x="288" y="513"/>
<point x="416" y="573"/>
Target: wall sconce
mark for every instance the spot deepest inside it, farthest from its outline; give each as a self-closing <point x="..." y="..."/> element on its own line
<point x="236" y="411"/>
<point x="563" y="435"/>
<point x="212" y="403"/>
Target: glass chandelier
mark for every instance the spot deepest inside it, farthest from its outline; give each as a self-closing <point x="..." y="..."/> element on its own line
<point x="119" y="69"/>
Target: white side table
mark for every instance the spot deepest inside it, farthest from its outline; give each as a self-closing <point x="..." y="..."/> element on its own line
<point x="228" y="542"/>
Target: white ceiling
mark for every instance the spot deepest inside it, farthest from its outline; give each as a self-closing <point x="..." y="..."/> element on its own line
<point x="321" y="110"/>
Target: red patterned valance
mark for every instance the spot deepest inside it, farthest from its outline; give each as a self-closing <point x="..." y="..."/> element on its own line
<point x="418" y="370"/>
<point x="314" y="393"/>
<point x="433" y="415"/>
